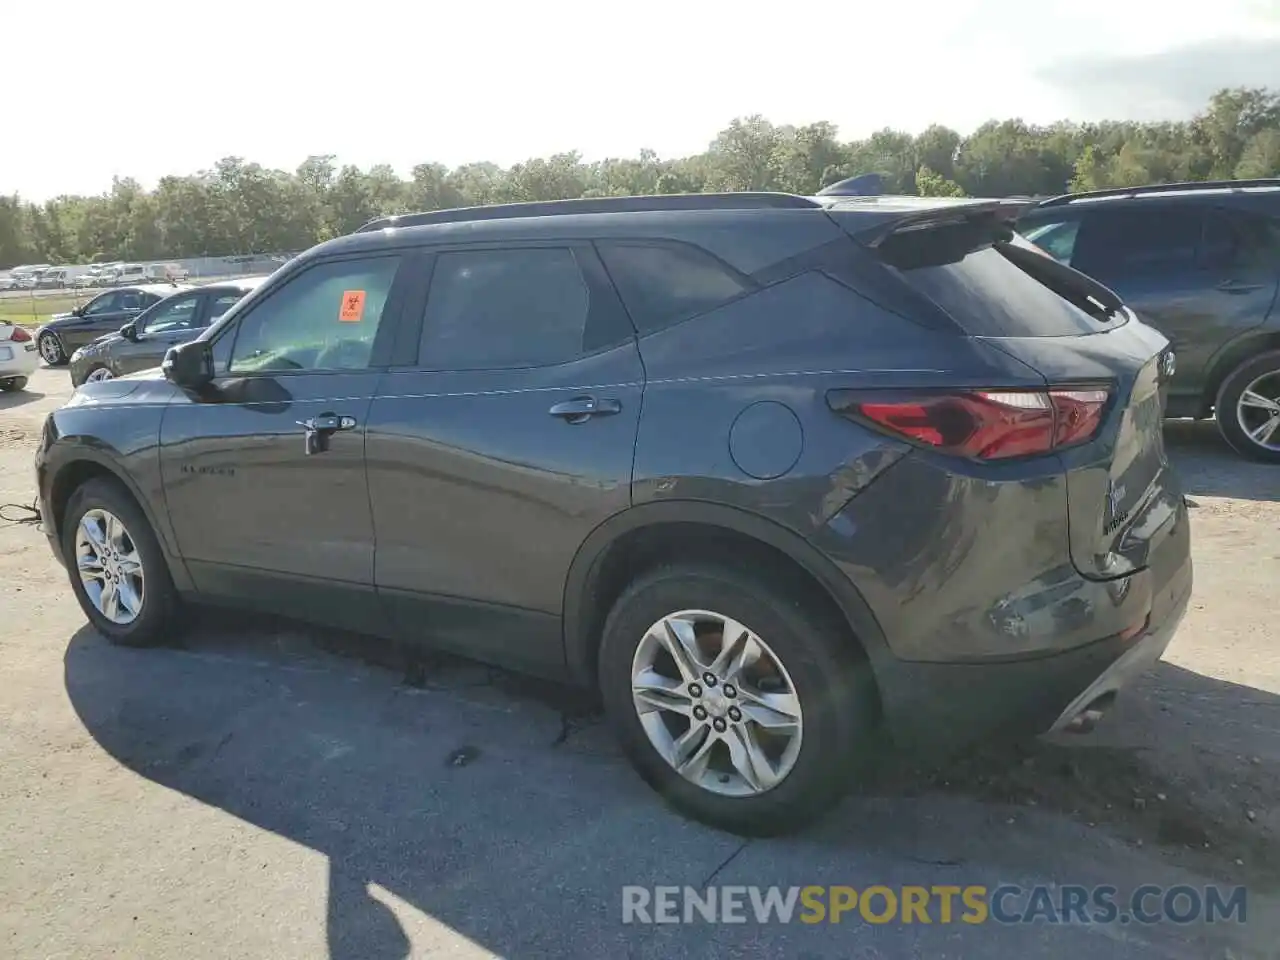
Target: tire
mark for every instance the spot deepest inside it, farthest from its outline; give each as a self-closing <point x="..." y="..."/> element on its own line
<point x="13" y="384"/>
<point x="51" y="350"/>
<point x="826" y="670"/>
<point x="1227" y="412"/>
<point x="159" y="600"/>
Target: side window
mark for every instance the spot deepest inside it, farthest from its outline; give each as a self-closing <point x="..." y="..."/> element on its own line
<point x="1058" y="239"/>
<point x="662" y="284"/>
<point x="1142" y="240"/>
<point x="490" y="309"/>
<point x="1239" y="241"/>
<point x="176" y="314"/>
<point x="221" y="305"/>
<point x="133" y="300"/>
<point x="106" y="303"/>
<point x="325" y="318"/>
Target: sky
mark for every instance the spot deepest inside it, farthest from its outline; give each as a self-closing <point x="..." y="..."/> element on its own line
<point x="147" y="89"/>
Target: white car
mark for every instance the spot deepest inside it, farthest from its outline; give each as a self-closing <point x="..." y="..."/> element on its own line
<point x="18" y="357"/>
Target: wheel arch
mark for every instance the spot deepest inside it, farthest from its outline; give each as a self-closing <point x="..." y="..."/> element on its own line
<point x="646" y="534"/>
<point x="1232" y="355"/>
<point x="71" y="473"/>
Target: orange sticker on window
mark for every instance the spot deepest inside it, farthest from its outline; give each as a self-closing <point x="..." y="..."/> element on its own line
<point x="352" y="309"/>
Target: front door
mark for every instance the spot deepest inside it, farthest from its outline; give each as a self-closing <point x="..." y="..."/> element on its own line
<point x="504" y="437"/>
<point x="170" y="322"/>
<point x="264" y="473"/>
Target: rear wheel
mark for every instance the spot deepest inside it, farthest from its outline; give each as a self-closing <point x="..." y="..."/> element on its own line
<point x="1248" y="408"/>
<point x="117" y="568"/>
<point x="13" y="384"/>
<point x="742" y="704"/>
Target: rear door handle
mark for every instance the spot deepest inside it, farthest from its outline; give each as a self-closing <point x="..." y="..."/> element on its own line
<point x="319" y="429"/>
<point x="1235" y="286"/>
<point x="582" y="409"/>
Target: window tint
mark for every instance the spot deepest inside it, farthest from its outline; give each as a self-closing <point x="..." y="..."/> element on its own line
<point x="176" y="314"/>
<point x="323" y="319"/>
<point x="504" y="308"/>
<point x="1150" y="239"/>
<point x="103" y="304"/>
<point x="664" y="284"/>
<point x="221" y="305"/>
<point x="1239" y="241"/>
<point x="990" y="296"/>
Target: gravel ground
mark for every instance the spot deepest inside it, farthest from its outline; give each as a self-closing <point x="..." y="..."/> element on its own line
<point x="271" y="790"/>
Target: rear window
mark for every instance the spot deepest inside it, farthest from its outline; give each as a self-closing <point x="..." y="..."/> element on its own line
<point x="1002" y="289"/>
<point x="662" y="284"/>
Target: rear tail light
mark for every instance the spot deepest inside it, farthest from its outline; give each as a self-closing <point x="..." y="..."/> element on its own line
<point x="983" y="424"/>
<point x="20" y="335"/>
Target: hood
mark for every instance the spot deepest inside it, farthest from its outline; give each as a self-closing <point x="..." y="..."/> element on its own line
<point x="58" y="319"/>
<point x="103" y="342"/>
<point x="144" y="387"/>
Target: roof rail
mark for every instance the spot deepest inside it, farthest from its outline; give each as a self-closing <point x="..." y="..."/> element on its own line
<point x="554" y="208"/>
<point x="1161" y="188"/>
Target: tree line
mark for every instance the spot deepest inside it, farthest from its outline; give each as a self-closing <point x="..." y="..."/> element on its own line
<point x="240" y="207"/>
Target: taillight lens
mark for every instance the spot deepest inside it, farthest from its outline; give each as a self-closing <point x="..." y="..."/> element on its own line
<point x="20" y="335"/>
<point x="983" y="424"/>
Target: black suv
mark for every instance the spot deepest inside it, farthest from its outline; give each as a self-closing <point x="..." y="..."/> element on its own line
<point x="784" y="479"/>
<point x="1201" y="263"/>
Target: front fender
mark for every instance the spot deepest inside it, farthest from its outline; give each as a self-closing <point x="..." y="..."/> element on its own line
<point x="91" y="440"/>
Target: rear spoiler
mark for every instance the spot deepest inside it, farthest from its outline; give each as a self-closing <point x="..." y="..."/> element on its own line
<point x="994" y="212"/>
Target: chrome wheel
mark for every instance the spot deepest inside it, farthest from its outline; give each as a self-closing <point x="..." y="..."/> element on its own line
<point x="49" y="349"/>
<point x="110" y="567"/>
<point x="716" y="703"/>
<point x="101" y="373"/>
<point x="1258" y="411"/>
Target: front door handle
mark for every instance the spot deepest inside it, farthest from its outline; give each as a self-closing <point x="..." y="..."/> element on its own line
<point x="318" y="430"/>
<point x="582" y="409"/>
<point x="1235" y="286"/>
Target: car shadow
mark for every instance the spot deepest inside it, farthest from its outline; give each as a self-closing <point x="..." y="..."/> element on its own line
<point x="1209" y="467"/>
<point x="499" y="807"/>
<point x="19" y="398"/>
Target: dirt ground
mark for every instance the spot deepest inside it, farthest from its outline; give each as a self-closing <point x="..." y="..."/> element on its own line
<point x="266" y="789"/>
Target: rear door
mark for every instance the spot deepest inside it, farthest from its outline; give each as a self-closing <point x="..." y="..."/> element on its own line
<point x="504" y="435"/>
<point x="1201" y="275"/>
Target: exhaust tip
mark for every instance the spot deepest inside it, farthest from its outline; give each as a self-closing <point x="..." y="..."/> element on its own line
<point x="1087" y="719"/>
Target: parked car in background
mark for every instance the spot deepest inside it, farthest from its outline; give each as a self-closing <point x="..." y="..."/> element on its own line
<point x="162" y="272"/>
<point x="86" y="279"/>
<point x="17" y="356"/>
<point x="124" y="274"/>
<point x="54" y="278"/>
<point x="785" y="480"/>
<point x="143" y="341"/>
<point x="7" y="282"/>
<point x="105" y="313"/>
<point x="1201" y="263"/>
<point x="25" y="277"/>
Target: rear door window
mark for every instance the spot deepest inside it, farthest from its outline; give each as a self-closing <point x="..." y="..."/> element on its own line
<point x="1141" y="240"/>
<point x="504" y="308"/>
<point x="662" y="284"/>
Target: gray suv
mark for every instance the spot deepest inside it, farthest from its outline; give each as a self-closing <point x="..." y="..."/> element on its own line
<point x="1201" y="263"/>
<point x="784" y="479"/>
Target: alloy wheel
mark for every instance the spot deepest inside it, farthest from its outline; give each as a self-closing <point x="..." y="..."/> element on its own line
<point x="101" y="373"/>
<point x="49" y="349"/>
<point x="110" y="566"/>
<point x="1258" y="411"/>
<point x="717" y="703"/>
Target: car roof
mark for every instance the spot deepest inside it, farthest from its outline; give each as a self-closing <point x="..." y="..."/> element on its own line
<point x="1264" y="193"/>
<point x="238" y="285"/>
<point x="161" y="289"/>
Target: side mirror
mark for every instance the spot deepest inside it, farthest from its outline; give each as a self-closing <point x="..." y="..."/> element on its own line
<point x="130" y="331"/>
<point x="78" y="311"/>
<point x="189" y="365"/>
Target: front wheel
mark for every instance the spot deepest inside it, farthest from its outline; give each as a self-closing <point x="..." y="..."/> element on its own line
<point x="99" y="373"/>
<point x="117" y="567"/>
<point x="1248" y="408"/>
<point x="13" y="384"/>
<point x="51" y="350"/>
<point x="740" y="701"/>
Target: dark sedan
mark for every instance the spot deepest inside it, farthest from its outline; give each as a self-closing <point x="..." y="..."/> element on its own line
<point x="143" y="341"/>
<point x="105" y="313"/>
